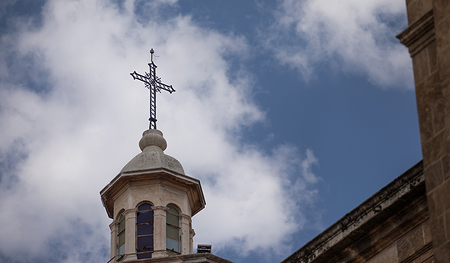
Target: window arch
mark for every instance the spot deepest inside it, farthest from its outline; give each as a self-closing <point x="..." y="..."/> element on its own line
<point x="173" y="229"/>
<point x="144" y="231"/>
<point x="121" y="236"/>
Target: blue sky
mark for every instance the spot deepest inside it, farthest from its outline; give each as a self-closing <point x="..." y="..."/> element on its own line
<point x="291" y="113"/>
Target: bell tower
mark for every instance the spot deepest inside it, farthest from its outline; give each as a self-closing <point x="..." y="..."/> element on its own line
<point x="151" y="202"/>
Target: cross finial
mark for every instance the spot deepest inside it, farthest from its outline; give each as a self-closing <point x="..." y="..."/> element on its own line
<point x="154" y="84"/>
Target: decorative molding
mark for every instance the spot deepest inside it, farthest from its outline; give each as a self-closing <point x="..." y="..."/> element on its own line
<point x="160" y="207"/>
<point x="113" y="226"/>
<point x="368" y="210"/>
<point x="131" y="211"/>
<point x="418" y="35"/>
<point x="185" y="216"/>
<point x="418" y="253"/>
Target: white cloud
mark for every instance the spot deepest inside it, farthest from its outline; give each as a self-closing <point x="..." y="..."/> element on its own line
<point x="354" y="36"/>
<point x="71" y="117"/>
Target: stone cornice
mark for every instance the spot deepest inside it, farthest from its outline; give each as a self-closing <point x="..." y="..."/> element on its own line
<point x="188" y="184"/>
<point x="419" y="34"/>
<point x="380" y="202"/>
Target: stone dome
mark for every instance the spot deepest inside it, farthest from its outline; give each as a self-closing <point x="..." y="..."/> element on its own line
<point x="152" y="156"/>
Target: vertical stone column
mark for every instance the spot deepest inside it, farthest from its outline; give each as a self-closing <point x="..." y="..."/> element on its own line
<point x="159" y="235"/>
<point x="185" y="234"/>
<point x="130" y="234"/>
<point x="438" y="152"/>
<point x="113" y="226"/>
<point x="428" y="40"/>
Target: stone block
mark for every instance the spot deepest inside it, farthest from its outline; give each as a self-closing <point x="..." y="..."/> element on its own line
<point x="447" y="224"/>
<point x="445" y="189"/>
<point x="444" y="72"/>
<point x="434" y="149"/>
<point x="436" y="227"/>
<point x="430" y="107"/>
<point x="417" y="8"/>
<point x="426" y="232"/>
<point x="441" y="10"/>
<point x="421" y="66"/>
<point x="433" y="205"/>
<point x="428" y="260"/>
<point x="388" y="254"/>
<point x="442" y="253"/>
<point x="427" y="257"/>
<point x="446" y="163"/>
<point x="431" y="49"/>
<point x="438" y="112"/>
<point x="410" y="243"/>
<point x="425" y="122"/>
<point x="442" y="36"/>
<point x="435" y="176"/>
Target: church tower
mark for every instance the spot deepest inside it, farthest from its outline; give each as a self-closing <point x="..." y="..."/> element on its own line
<point x="152" y="201"/>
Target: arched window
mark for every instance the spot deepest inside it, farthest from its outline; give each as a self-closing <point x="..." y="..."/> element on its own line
<point x="173" y="229"/>
<point x="144" y="231"/>
<point x="121" y="236"/>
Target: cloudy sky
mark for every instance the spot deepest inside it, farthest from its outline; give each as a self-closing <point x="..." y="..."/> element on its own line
<point x="291" y="113"/>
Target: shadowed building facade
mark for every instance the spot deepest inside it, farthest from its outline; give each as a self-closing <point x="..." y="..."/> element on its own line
<point x="408" y="221"/>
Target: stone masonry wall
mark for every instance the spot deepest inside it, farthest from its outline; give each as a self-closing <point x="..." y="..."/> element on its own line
<point x="428" y="40"/>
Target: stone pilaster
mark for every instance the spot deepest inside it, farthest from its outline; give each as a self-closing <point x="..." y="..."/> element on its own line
<point x="130" y="234"/>
<point x="439" y="191"/>
<point x="428" y="40"/>
<point x="159" y="235"/>
<point x="185" y="234"/>
<point x="113" y="226"/>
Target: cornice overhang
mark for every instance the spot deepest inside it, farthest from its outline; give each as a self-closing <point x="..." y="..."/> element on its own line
<point x="195" y="192"/>
<point x="356" y="224"/>
<point x="419" y="34"/>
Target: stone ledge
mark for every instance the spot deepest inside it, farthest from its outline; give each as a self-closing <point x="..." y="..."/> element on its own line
<point x="418" y="35"/>
<point x="380" y="203"/>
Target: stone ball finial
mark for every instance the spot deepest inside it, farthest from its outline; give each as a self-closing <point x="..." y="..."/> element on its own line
<point x="152" y="137"/>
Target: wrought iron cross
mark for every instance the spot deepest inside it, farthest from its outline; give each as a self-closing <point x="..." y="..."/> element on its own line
<point x="154" y="84"/>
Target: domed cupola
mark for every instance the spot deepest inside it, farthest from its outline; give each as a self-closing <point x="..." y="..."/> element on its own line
<point x="152" y="156"/>
<point x="151" y="202"/>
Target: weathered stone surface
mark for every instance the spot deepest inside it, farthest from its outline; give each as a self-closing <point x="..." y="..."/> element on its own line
<point x="387" y="255"/>
<point x="447" y="224"/>
<point x="156" y="178"/>
<point x="417" y="8"/>
<point x="410" y="243"/>
<point x="435" y="199"/>
<point x="437" y="178"/>
<point x="437" y="225"/>
<point x="373" y="227"/>
<point x="421" y="66"/>
<point x="443" y="8"/>
<point x="434" y="149"/>
<point x="432" y="60"/>
<point x="446" y="165"/>
<point x="426" y="232"/>
<point x="442" y="253"/>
